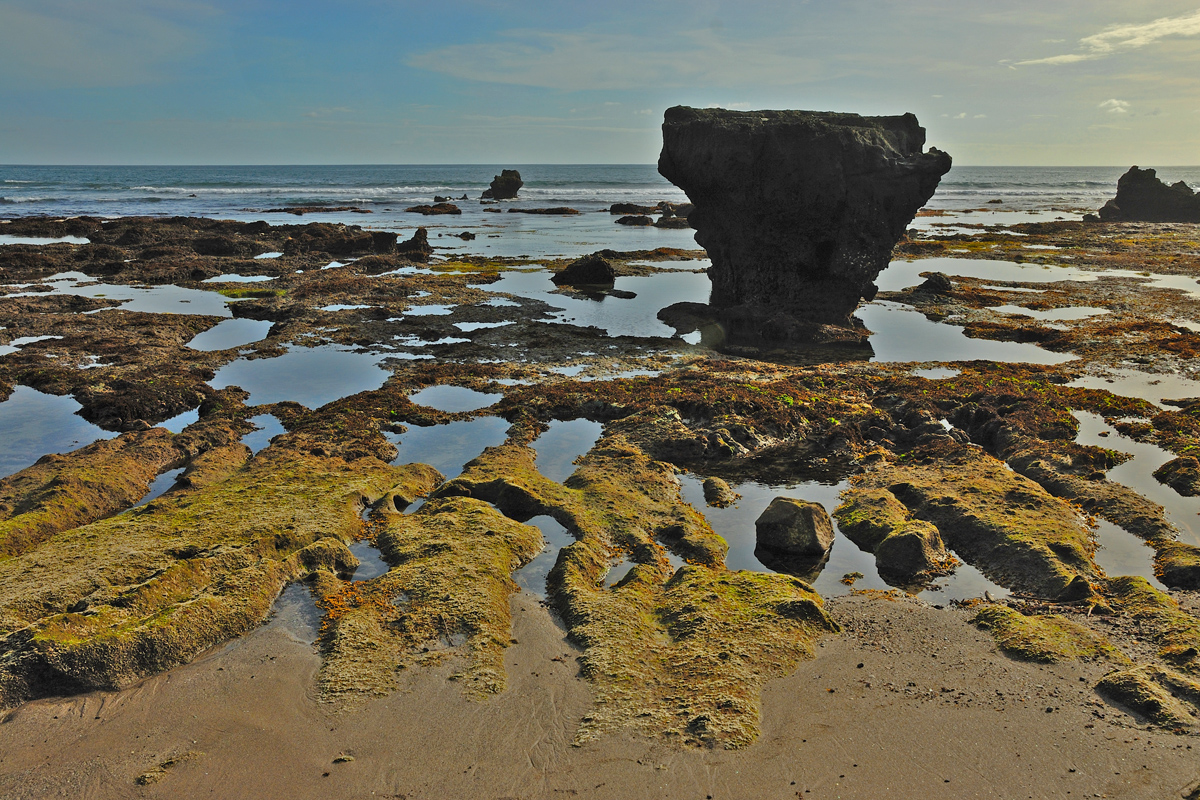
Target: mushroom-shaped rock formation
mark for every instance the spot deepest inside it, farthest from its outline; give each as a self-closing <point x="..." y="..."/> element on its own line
<point x="504" y="186"/>
<point x="798" y="210"/>
<point x="1142" y="197"/>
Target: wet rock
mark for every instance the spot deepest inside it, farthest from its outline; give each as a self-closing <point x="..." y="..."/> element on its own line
<point x="672" y="222"/>
<point x="915" y="548"/>
<point x="466" y="236"/>
<point x="440" y="208"/>
<point x="635" y="220"/>
<point x="1181" y="474"/>
<point x="936" y="283"/>
<point x="796" y="527"/>
<point x="718" y="494"/>
<point x="798" y="210"/>
<point x="504" y="186"/>
<point x="1142" y="197"/>
<point x="562" y="211"/>
<point x="417" y="248"/>
<point x="631" y="208"/>
<point x="591" y="270"/>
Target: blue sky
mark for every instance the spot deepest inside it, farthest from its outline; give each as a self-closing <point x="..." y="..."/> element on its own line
<point x="494" y="81"/>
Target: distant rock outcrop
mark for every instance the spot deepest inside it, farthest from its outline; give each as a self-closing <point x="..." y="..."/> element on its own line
<point x="438" y="208"/>
<point x="1142" y="197"/>
<point x="591" y="270"/>
<point x="504" y="186"/>
<point x="799" y="210"/>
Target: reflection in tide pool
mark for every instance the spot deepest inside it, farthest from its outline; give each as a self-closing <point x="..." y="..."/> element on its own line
<point x="1122" y="553"/>
<point x="370" y="561"/>
<point x="902" y="274"/>
<point x="736" y="525"/>
<point x="311" y="376"/>
<point x="637" y="316"/>
<point x="1152" y="387"/>
<point x="532" y="577"/>
<point x="453" y="399"/>
<point x="565" y="441"/>
<point x="165" y="299"/>
<point x="161" y="485"/>
<point x="901" y="334"/>
<point x="1138" y="473"/>
<point x="268" y="427"/>
<point x="447" y="448"/>
<point x="33" y="424"/>
<point x="230" y="333"/>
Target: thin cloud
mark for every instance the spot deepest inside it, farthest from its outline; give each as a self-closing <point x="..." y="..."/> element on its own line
<point x="1115" y="106"/>
<point x="1121" y="38"/>
<point x="606" y="61"/>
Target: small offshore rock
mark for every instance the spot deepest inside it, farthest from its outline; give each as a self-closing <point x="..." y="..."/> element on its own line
<point x="591" y="270"/>
<point x="1142" y="197"/>
<point x="417" y="248"/>
<point x="631" y="208"/>
<point x="564" y="211"/>
<point x="504" y="186"/>
<point x="718" y="494"/>
<point x="466" y="236"/>
<point x="440" y="208"/>
<point x="636" y="220"/>
<point x="795" y="527"/>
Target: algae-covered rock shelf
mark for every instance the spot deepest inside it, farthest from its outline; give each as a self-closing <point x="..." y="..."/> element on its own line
<point x="946" y="468"/>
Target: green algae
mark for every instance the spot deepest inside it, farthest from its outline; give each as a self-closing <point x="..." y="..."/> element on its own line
<point x="1163" y="696"/>
<point x="1045" y="638"/>
<point x="681" y="655"/>
<point x="106" y="603"/>
<point x="1160" y="618"/>
<point x="447" y="593"/>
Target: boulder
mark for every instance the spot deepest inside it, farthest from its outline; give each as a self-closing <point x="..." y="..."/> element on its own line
<point x="718" y="494"/>
<point x="914" y="548"/>
<point x="1181" y="474"/>
<point x="591" y="270"/>
<point x="631" y="208"/>
<point x="798" y="210"/>
<point x="635" y="219"/>
<point x="795" y="527"/>
<point x="1142" y="197"/>
<point x="504" y="186"/>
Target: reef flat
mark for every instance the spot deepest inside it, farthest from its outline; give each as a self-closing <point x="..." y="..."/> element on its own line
<point x="321" y="478"/>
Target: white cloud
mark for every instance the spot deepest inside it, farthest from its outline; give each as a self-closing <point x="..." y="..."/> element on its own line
<point x="607" y="61"/>
<point x="961" y="115"/>
<point x="980" y="116"/>
<point x="1120" y="38"/>
<point x="1114" y="106"/>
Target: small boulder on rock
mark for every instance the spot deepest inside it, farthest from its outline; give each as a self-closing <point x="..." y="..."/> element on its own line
<point x="718" y="494"/>
<point x="591" y="270"/>
<point x="1181" y="474"/>
<point x="795" y="527"/>
<point x="915" y="548"/>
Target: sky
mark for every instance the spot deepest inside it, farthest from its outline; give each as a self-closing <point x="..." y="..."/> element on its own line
<point x="1051" y="82"/>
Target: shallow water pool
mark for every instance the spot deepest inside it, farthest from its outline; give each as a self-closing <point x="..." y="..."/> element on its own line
<point x="311" y="376"/>
<point x="33" y="424"/>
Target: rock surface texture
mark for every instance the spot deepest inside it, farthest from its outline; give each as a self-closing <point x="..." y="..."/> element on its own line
<point x="795" y="527"/>
<point x="799" y="210"/>
<point x="1142" y="197"/>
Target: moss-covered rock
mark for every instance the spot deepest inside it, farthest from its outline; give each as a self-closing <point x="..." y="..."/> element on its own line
<point x="1163" y="696"/>
<point x="1043" y="637"/>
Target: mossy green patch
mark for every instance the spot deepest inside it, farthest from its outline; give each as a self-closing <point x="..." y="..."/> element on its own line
<point x="682" y="655"/>
<point x="1045" y="638"/>
<point x="446" y="593"/>
<point x="106" y="603"/>
<point x="1165" y="697"/>
<point x="1174" y="630"/>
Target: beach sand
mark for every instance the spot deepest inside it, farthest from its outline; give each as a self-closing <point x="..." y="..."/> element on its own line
<point x="908" y="702"/>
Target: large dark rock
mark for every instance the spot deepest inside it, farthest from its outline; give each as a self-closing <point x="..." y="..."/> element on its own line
<point x="591" y="270"/>
<point x="1142" y="197"/>
<point x="795" y="527"/>
<point x="799" y="210"/>
<point x="504" y="186"/>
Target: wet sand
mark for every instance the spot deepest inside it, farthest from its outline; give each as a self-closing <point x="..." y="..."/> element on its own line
<point x="908" y="702"/>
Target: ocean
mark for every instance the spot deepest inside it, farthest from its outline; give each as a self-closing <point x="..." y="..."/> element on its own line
<point x="244" y="191"/>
